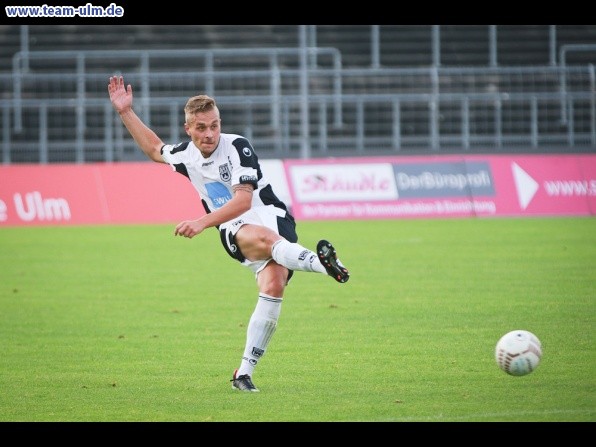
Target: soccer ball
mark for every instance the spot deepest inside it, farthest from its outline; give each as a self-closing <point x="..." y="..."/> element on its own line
<point x="518" y="352"/>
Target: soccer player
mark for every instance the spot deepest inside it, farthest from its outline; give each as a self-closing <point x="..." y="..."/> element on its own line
<point x="255" y="227"/>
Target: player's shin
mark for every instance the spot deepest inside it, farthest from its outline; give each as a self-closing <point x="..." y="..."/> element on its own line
<point x="261" y="328"/>
<point x="296" y="257"/>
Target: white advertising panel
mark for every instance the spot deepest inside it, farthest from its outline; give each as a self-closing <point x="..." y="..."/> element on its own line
<point x="343" y="182"/>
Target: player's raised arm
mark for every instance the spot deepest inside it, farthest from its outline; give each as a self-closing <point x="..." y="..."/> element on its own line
<point x="146" y="139"/>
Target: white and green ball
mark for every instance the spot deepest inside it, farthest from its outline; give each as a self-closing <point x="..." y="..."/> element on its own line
<point x="518" y="352"/>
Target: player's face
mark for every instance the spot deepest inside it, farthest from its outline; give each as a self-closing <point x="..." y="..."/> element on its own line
<point x="204" y="131"/>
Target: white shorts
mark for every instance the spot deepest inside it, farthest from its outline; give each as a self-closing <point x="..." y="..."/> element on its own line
<point x="277" y="219"/>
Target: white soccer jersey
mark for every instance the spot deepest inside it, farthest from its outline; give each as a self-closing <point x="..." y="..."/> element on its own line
<point x="233" y="162"/>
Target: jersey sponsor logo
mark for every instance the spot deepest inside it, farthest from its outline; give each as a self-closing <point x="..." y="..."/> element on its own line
<point x="224" y="173"/>
<point x="208" y="163"/>
<point x="246" y="151"/>
<point x="218" y="194"/>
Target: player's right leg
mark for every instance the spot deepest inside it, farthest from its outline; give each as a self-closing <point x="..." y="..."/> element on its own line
<point x="295" y="257"/>
<point x="275" y="238"/>
<point x="328" y="258"/>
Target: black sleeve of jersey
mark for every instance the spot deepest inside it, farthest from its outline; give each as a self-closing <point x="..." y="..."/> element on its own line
<point x="248" y="156"/>
<point x="179" y="147"/>
<point x="180" y="167"/>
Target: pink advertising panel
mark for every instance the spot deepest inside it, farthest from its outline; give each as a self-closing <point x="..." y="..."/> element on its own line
<point x="346" y="188"/>
<point x="443" y="186"/>
<point x="120" y="193"/>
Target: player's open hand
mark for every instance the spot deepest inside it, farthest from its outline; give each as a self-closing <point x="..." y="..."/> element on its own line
<point x="120" y="95"/>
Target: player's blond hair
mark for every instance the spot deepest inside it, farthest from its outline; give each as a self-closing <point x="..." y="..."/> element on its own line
<point x="198" y="104"/>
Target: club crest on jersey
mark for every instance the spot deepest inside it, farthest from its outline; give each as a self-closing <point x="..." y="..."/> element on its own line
<point x="246" y="151"/>
<point x="224" y="173"/>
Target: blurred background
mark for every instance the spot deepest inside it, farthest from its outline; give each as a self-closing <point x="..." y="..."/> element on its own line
<point x="302" y="91"/>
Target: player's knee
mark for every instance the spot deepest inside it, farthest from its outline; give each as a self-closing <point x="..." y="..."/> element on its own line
<point x="273" y="286"/>
<point x="273" y="281"/>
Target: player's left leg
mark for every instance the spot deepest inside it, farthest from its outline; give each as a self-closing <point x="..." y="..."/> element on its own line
<point x="263" y="323"/>
<point x="261" y="327"/>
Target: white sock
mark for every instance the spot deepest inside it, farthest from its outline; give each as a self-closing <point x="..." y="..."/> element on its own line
<point x="261" y="328"/>
<point x="295" y="257"/>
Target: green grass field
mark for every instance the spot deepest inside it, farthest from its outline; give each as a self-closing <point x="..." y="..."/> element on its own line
<point x="129" y="323"/>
